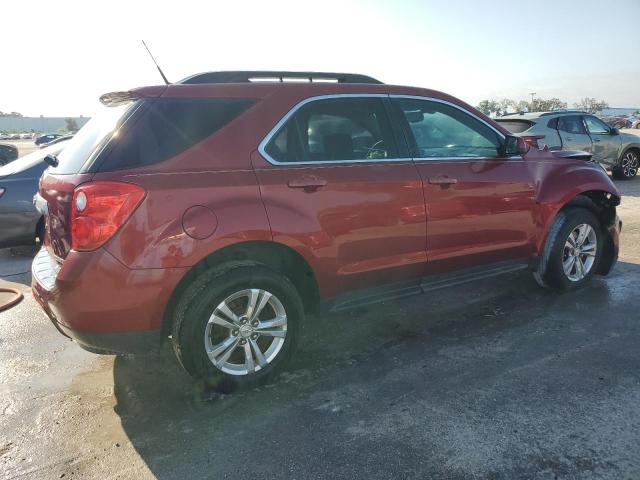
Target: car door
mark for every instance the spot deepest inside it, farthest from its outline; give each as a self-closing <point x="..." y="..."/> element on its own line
<point x="606" y="144"/>
<point x="480" y="207"/>
<point x="338" y="188"/>
<point x="573" y="133"/>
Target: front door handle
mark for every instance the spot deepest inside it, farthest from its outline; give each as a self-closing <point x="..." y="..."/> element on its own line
<point x="310" y="183"/>
<point x="569" y="139"/>
<point x="443" y="180"/>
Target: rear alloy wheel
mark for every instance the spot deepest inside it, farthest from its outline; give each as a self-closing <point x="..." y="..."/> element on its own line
<point x="236" y="325"/>
<point x="246" y="332"/>
<point x="628" y="167"/>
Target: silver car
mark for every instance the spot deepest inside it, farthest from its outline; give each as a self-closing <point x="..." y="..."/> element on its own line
<point x="575" y="130"/>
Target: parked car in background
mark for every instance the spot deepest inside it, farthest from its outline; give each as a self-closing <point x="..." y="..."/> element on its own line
<point x="55" y="141"/>
<point x="616" y="122"/>
<point x="46" y="138"/>
<point x="26" y="136"/>
<point x="224" y="209"/>
<point x="8" y="153"/>
<point x="20" y="222"/>
<point x="576" y="130"/>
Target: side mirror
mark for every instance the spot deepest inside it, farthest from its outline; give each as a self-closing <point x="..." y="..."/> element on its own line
<point x="614" y="131"/>
<point x="514" y="146"/>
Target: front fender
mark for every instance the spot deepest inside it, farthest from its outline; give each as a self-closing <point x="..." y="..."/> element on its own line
<point x="562" y="184"/>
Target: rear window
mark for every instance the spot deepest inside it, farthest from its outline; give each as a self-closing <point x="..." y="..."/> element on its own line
<point x="90" y="139"/>
<point x="167" y="127"/>
<point x="516" y="126"/>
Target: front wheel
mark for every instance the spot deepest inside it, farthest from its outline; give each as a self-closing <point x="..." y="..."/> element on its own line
<point x="628" y="166"/>
<point x="572" y="252"/>
<point x="237" y="326"/>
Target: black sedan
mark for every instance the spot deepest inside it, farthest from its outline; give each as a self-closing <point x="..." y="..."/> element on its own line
<point x="46" y="138"/>
<point x="20" y="222"/>
<point x="8" y="153"/>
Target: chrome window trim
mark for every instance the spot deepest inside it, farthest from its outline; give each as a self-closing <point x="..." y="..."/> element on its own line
<point x="297" y="106"/>
<point x="263" y="144"/>
<point x="468" y="159"/>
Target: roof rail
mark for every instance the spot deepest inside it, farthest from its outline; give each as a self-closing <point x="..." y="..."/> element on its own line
<point x="273" y="76"/>
<point x="562" y="110"/>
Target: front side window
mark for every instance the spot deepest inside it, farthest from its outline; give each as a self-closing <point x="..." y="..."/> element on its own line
<point x="442" y="131"/>
<point x="336" y="129"/>
<point x="571" y="124"/>
<point x="596" y="126"/>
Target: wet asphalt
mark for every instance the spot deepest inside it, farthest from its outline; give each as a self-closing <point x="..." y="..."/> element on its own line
<point x="498" y="380"/>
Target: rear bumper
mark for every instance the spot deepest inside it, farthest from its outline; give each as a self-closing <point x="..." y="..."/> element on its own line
<point x="101" y="304"/>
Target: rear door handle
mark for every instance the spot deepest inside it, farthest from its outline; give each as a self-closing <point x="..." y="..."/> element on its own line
<point x="443" y="181"/>
<point x="596" y="139"/>
<point x="309" y="183"/>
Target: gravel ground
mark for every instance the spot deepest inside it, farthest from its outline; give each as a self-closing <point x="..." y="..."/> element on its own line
<point x="499" y="380"/>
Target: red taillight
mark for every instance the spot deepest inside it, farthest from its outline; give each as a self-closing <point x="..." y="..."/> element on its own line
<point x="99" y="209"/>
<point x="532" y="140"/>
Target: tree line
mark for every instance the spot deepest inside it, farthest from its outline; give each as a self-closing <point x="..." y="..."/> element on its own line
<point x="10" y="114"/>
<point x="502" y="107"/>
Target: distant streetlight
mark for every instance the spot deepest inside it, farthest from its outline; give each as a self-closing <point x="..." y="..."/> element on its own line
<point x="533" y="94"/>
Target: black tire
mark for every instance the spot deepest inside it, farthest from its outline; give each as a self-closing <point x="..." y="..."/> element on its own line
<point x="628" y="165"/>
<point x="550" y="272"/>
<point x="198" y="303"/>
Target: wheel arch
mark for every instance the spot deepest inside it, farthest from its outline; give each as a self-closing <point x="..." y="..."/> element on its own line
<point x="277" y="256"/>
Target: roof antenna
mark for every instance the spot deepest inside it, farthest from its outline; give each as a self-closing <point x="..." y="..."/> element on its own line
<point x="157" y="66"/>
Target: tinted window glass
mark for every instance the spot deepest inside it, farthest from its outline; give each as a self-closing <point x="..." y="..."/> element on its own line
<point x="167" y="127"/>
<point x="571" y="124"/>
<point x="596" y="126"/>
<point x="440" y="130"/>
<point x="335" y="129"/>
<point x="90" y="139"/>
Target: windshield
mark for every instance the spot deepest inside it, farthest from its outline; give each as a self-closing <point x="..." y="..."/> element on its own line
<point x="27" y="161"/>
<point x="89" y="139"/>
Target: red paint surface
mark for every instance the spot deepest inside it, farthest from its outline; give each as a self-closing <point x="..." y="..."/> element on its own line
<point x="368" y="224"/>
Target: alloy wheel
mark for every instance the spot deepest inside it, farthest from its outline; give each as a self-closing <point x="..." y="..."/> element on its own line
<point x="629" y="164"/>
<point x="245" y="332"/>
<point x="579" y="253"/>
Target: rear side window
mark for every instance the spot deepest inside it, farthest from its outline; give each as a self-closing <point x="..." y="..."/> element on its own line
<point x="341" y="129"/>
<point x="571" y="124"/>
<point x="516" y="126"/>
<point x="167" y="127"/>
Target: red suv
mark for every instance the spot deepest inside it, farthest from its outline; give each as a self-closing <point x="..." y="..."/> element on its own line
<point x="219" y="210"/>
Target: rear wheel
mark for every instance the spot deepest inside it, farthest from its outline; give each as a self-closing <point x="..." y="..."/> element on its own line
<point x="572" y="252"/>
<point x="236" y="326"/>
<point x="628" y="165"/>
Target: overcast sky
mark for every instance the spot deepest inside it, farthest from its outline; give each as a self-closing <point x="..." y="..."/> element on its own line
<point x="58" y="57"/>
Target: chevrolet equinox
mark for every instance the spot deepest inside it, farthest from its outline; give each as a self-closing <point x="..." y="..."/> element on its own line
<point x="218" y="211"/>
